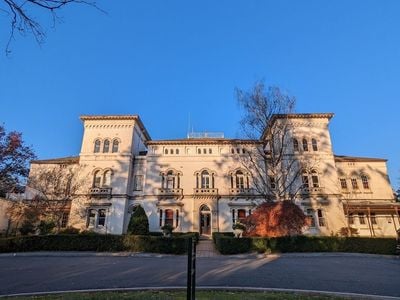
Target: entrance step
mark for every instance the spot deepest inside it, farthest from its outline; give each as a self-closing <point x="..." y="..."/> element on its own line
<point x="205" y="248"/>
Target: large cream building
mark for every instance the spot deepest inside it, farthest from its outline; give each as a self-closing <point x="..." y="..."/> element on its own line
<point x="199" y="183"/>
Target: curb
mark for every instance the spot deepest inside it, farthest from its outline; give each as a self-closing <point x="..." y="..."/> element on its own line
<point x="219" y="256"/>
<point x="214" y="288"/>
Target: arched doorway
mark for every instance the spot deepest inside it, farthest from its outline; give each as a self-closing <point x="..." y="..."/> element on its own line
<point x="205" y="220"/>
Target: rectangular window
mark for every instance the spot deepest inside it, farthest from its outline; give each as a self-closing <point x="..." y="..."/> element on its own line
<point x="64" y="220"/>
<point x="169" y="217"/>
<point x="361" y="218"/>
<point x="161" y="214"/>
<point x="138" y="183"/>
<point x="233" y="217"/>
<point x="91" y="218"/>
<point x="373" y="219"/>
<point x="177" y="217"/>
<point x="351" y="219"/>
<point x="241" y="215"/>
<point x="101" y="220"/>
<point x="343" y="183"/>
<point x="354" y="183"/>
<point x="210" y="151"/>
<point x="310" y="215"/>
<point x="321" y="219"/>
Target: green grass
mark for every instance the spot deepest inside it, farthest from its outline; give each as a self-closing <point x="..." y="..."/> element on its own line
<point x="181" y="295"/>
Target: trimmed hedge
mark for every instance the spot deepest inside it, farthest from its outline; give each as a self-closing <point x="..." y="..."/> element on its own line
<point x="105" y="243"/>
<point x="231" y="245"/>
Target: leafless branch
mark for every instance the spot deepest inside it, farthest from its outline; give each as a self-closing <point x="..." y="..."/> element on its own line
<point x="22" y="16"/>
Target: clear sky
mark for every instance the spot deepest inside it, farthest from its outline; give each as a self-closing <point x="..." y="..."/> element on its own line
<point x="165" y="60"/>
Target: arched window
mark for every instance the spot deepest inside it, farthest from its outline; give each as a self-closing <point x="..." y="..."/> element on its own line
<point x="304" y="178"/>
<point x="97" y="179"/>
<point x="295" y="145"/>
<point x="205" y="180"/>
<point x="172" y="151"/>
<point x="115" y="146"/>
<point x="177" y="151"/>
<point x="166" y="151"/>
<point x="305" y="145"/>
<point x="106" y="146"/>
<point x="96" y="146"/>
<point x="314" y="178"/>
<point x="169" y="217"/>
<point x="365" y="182"/>
<point x="107" y="178"/>
<point x="314" y="144"/>
<point x="170" y="180"/>
<point x="239" y="179"/>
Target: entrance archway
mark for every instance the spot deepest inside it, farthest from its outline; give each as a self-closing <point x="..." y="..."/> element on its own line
<point x="205" y="220"/>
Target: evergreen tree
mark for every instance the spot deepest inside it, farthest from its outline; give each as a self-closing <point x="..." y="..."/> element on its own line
<point x="139" y="223"/>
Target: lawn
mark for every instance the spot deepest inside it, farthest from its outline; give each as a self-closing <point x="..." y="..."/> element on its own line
<point x="181" y="295"/>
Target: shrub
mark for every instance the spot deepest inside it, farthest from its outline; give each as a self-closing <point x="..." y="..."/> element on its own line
<point x="139" y="223"/>
<point x="216" y="235"/>
<point x="98" y="242"/>
<point x="229" y="245"/>
<point x="167" y="230"/>
<point x="69" y="230"/>
<point x="46" y="226"/>
<point x="27" y="227"/>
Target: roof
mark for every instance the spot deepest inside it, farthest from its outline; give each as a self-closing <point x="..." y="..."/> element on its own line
<point x="344" y="158"/>
<point x="118" y="117"/>
<point x="303" y="116"/>
<point x="61" y="160"/>
<point x="201" y="141"/>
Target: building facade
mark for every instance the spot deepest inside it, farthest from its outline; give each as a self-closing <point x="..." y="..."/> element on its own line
<point x="201" y="184"/>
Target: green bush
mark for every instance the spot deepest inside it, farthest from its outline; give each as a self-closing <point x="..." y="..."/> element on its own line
<point x="69" y="230"/>
<point x="91" y="242"/>
<point x="230" y="245"/>
<point x="27" y="227"/>
<point x="216" y="235"/>
<point x="139" y="223"/>
<point x="46" y="226"/>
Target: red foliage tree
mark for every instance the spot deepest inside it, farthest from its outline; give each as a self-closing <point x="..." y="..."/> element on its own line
<point x="14" y="161"/>
<point x="274" y="219"/>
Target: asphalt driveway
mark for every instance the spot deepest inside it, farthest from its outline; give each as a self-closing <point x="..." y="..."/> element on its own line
<point x="365" y="274"/>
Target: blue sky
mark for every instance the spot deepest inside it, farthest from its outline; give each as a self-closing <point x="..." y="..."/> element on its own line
<point x="165" y="60"/>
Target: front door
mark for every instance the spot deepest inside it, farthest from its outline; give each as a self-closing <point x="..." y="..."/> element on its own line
<point x="205" y="221"/>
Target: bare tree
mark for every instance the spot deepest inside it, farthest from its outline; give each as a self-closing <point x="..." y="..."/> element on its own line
<point x="54" y="190"/>
<point x="275" y="169"/>
<point x="23" y="15"/>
